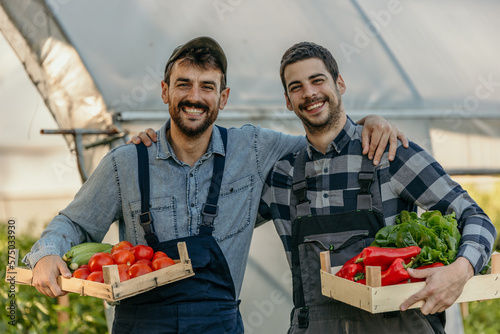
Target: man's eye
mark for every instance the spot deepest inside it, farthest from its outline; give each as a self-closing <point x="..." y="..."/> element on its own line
<point x="294" y="88"/>
<point x="318" y="81"/>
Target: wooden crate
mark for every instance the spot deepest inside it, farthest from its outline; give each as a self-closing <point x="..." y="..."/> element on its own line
<point x="113" y="290"/>
<point x="375" y="298"/>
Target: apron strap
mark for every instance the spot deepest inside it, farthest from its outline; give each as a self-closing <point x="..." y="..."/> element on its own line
<point x="299" y="186"/>
<point x="145" y="218"/>
<point x="210" y="209"/>
<point x="365" y="179"/>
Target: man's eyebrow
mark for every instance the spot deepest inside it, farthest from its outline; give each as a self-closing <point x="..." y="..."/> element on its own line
<point x="182" y="79"/>
<point x="313" y="76"/>
<point x="209" y="82"/>
<point x="293" y="83"/>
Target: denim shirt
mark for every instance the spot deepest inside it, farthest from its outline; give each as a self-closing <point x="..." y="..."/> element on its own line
<point x="178" y="192"/>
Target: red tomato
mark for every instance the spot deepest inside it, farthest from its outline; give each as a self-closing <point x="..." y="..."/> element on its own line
<point x="122" y="256"/>
<point x="123" y="276"/>
<point x="96" y="276"/>
<point x="98" y="260"/>
<point x="138" y="269"/>
<point x="123" y="267"/>
<point x="158" y="255"/>
<point x="122" y="245"/>
<point x="144" y="261"/>
<point x="162" y="262"/>
<point x="84" y="266"/>
<point x="143" y="252"/>
<point x="81" y="273"/>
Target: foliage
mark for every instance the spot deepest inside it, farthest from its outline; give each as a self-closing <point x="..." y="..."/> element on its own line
<point x="484" y="316"/>
<point x="37" y="313"/>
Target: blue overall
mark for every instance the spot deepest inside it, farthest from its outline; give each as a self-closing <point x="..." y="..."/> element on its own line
<point x="203" y="303"/>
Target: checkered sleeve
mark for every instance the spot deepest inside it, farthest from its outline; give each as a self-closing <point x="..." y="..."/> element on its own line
<point x="275" y="201"/>
<point x="419" y="179"/>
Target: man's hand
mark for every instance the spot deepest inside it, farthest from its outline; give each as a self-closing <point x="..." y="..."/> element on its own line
<point x="443" y="286"/>
<point x="45" y="274"/>
<point x="146" y="136"/>
<point x="377" y="132"/>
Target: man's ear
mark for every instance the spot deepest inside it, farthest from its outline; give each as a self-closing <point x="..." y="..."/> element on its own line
<point x="341" y="85"/>
<point x="224" y="96"/>
<point x="288" y="103"/>
<point x="164" y="92"/>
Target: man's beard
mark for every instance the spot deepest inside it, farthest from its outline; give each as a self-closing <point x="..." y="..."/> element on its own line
<point x="201" y="128"/>
<point x="333" y="115"/>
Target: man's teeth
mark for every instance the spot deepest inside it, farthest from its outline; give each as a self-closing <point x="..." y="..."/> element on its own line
<point x="192" y="111"/>
<point x="314" y="106"/>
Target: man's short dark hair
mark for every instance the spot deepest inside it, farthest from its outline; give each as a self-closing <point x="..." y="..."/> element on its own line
<point x="306" y="50"/>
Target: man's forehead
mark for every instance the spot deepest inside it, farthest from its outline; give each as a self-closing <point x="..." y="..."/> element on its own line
<point x="181" y="69"/>
<point x="304" y="69"/>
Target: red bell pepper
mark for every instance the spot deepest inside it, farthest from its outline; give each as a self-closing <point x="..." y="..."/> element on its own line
<point x="350" y="270"/>
<point x="396" y="273"/>
<point x="432" y="265"/>
<point x="384" y="257"/>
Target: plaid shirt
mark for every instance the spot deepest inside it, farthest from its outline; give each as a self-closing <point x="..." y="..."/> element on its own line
<point x="413" y="179"/>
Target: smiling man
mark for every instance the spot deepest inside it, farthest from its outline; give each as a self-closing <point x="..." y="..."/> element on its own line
<point x="199" y="183"/>
<point x="329" y="196"/>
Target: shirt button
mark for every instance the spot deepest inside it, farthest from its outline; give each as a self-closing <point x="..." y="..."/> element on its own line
<point x="190" y="174"/>
<point x="325" y="170"/>
<point x="325" y="195"/>
<point x="192" y="204"/>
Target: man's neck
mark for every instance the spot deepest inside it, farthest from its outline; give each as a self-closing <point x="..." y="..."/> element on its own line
<point x="321" y="140"/>
<point x="188" y="149"/>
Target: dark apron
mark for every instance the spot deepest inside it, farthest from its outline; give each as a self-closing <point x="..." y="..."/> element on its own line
<point x="203" y="303"/>
<point x="344" y="235"/>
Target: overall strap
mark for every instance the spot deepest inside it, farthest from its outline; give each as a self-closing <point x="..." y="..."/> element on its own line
<point x="299" y="186"/>
<point x="210" y="209"/>
<point x="146" y="220"/>
<point x="365" y="179"/>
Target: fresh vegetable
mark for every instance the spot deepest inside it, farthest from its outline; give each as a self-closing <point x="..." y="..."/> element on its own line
<point x="96" y="276"/>
<point x="98" y="260"/>
<point x="396" y="273"/>
<point x="437" y="235"/>
<point x="126" y="245"/>
<point x="144" y="261"/>
<point x="123" y="256"/>
<point x="384" y="257"/>
<point x="138" y="269"/>
<point x="143" y="252"/>
<point x="161" y="262"/>
<point x="349" y="271"/>
<point x="81" y="273"/>
<point x="158" y="255"/>
<point x="80" y="254"/>
<point x="86" y="247"/>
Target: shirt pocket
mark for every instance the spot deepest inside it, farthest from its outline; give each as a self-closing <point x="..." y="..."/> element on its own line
<point x="235" y="205"/>
<point x="164" y="214"/>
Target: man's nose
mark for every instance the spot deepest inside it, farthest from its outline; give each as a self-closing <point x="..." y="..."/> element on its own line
<point x="309" y="91"/>
<point x="194" y="94"/>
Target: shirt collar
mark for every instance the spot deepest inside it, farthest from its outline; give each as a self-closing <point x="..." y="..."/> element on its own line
<point x="164" y="150"/>
<point x="338" y="144"/>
